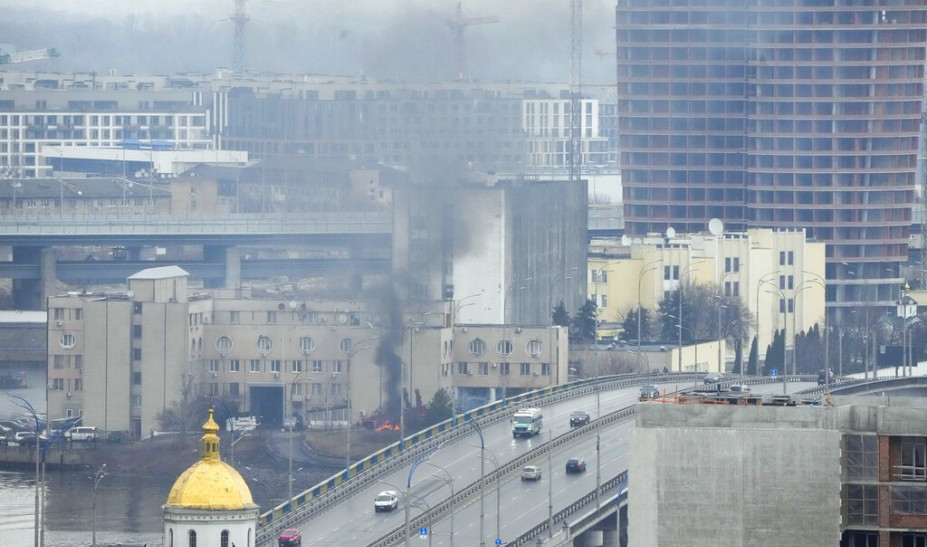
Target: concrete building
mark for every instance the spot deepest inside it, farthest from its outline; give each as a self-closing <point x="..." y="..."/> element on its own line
<point x="793" y="114"/>
<point x="159" y="345"/>
<point x="777" y="274"/>
<point x="734" y="475"/>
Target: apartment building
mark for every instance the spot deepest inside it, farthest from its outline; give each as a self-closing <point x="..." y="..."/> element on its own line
<point x="777" y="274"/>
<point x="791" y="113"/>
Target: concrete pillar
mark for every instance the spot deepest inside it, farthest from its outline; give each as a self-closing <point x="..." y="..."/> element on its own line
<point x="610" y="538"/>
<point x="133" y="253"/>
<point x="230" y="257"/>
<point x="48" y="266"/>
<point x="232" y="267"/>
<point x="27" y="293"/>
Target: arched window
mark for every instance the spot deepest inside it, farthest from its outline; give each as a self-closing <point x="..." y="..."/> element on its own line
<point x="346" y="346"/>
<point x="191" y="538"/>
<point x="504" y="347"/>
<point x="249" y="537"/>
<point x="224" y="539"/>
<point x="477" y="347"/>
<point x="306" y="345"/>
<point x="67" y="340"/>
<point x="534" y="348"/>
<point x="264" y="344"/>
<point x="224" y="345"/>
<point x="170" y="538"/>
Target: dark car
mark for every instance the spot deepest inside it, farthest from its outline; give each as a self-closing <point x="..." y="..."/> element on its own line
<point x="649" y="392"/>
<point x="823" y="377"/>
<point x="575" y="465"/>
<point x="290" y="536"/>
<point x="578" y="418"/>
<point x="713" y="378"/>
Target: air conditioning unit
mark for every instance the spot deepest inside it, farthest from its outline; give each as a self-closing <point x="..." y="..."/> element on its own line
<point x="68" y="395"/>
<point x="517" y="329"/>
<point x="535" y="373"/>
<point x="276" y="375"/>
<point x="464" y="329"/>
<point x="214" y="374"/>
<point x="58" y="322"/>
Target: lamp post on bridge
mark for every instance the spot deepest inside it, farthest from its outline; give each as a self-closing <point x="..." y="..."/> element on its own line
<point x="647" y="268"/>
<point x="24" y="404"/>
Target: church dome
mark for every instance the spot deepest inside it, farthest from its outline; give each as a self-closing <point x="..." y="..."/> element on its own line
<point x="210" y="483"/>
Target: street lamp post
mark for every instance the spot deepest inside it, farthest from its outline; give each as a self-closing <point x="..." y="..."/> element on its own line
<point x="475" y="425"/>
<point x="682" y="275"/>
<point x="97" y="477"/>
<point x="350" y="419"/>
<point x="422" y="458"/>
<point x="449" y="481"/>
<point x="289" y="482"/>
<point x="505" y="345"/>
<point x="412" y="326"/>
<point x="759" y="284"/>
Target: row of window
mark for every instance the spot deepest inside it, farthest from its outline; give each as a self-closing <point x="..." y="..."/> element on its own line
<point x="275" y="365"/>
<point x="191" y="538"/>
<point x="62" y="384"/>
<point x="309" y="389"/>
<point x="483" y="368"/>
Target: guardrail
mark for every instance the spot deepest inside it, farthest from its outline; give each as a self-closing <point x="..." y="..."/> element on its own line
<point x="345" y="483"/>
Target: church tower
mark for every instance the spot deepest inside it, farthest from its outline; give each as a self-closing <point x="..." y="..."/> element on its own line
<point x="210" y="504"/>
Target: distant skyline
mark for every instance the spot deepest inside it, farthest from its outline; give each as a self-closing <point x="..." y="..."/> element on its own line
<point x="400" y="39"/>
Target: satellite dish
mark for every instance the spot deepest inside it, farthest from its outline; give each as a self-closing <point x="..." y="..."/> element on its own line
<point x="625" y="241"/>
<point x="130" y="293"/>
<point x="292" y="304"/>
<point x="670" y="232"/>
<point x="715" y="226"/>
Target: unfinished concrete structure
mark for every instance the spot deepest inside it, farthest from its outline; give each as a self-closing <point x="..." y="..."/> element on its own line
<point x="852" y="474"/>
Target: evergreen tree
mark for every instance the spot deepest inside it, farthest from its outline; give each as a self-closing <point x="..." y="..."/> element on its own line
<point x="560" y="317"/>
<point x="738" y="356"/>
<point x="752" y="361"/>
<point x="584" y="326"/>
<point x="439" y="409"/>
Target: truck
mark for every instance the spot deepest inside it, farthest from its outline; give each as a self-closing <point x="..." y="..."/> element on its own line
<point x="527" y="422"/>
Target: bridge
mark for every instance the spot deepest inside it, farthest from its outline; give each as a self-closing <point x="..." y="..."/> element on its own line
<point x="460" y="478"/>
<point x="349" y="243"/>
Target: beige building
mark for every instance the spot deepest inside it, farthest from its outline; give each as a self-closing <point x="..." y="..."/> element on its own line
<point x="778" y="274"/>
<point x="158" y="344"/>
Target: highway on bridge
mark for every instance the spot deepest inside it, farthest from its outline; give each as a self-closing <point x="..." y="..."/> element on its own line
<point x="456" y="464"/>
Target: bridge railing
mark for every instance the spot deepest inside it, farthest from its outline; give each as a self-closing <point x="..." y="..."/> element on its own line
<point x="346" y="483"/>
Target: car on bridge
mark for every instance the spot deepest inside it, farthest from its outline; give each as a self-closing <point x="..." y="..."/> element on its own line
<point x="714" y="378"/>
<point x="288" y="537"/>
<point x="530" y="473"/>
<point x="575" y="465"/>
<point x="579" y="418"/>
<point x="386" y="500"/>
<point x="649" y="392"/>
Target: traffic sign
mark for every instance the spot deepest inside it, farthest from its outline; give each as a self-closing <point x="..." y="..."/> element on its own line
<point x="772" y="373"/>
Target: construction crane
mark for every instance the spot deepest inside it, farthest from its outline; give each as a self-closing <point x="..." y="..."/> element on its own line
<point x="240" y="18"/>
<point x="458" y="25"/>
<point x="28" y="55"/>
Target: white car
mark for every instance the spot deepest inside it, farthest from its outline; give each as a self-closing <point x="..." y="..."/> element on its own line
<point x="386" y="500"/>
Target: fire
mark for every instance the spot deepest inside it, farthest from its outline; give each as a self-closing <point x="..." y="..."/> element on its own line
<point x="387" y="426"/>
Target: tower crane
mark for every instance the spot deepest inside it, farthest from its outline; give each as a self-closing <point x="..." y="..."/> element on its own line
<point x="458" y="25"/>
<point x="27" y="55"/>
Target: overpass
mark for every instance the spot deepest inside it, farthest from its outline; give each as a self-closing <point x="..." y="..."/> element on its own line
<point x="450" y="458"/>
<point x="351" y="243"/>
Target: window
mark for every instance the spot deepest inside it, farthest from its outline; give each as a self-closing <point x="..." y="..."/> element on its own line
<point x="213" y="366"/>
<point x="213" y="388"/>
<point x="345" y="346"/>
<point x="862" y="504"/>
<point x="524" y="369"/>
<point x="275" y="365"/>
<point x="504" y="347"/>
<point x="137" y="354"/>
<point x="224" y="345"/>
<point x="477" y="347"/>
<point x="306" y="345"/>
<point x="545" y="369"/>
<point x="862" y="455"/>
<point x="483" y="368"/>
<point x="337" y="367"/>
<point x="67" y="340"/>
<point x="234" y="317"/>
<point x="913" y="464"/>
<point x="264" y="344"/>
<point x="534" y="348"/>
<point x="58" y="384"/>
<point x="78" y="384"/>
<point x="137" y="308"/>
<point x="504" y="369"/>
<point x="604" y="303"/>
<point x="233" y="389"/>
<point x="235" y="365"/>
<point x="316" y="388"/>
<point x="271" y="317"/>
<point x="78" y="361"/>
<point x="791" y="257"/>
<point x="462" y="367"/>
<point x="908" y="500"/>
<point x="913" y="540"/>
<point x="336" y="390"/>
<point x="136" y="331"/>
<point x="317" y="366"/>
<point x="191" y="539"/>
<point x="254" y="365"/>
<point x="224" y="539"/>
<point x="136" y="401"/>
<point x="296" y="366"/>
<point x="59" y="361"/>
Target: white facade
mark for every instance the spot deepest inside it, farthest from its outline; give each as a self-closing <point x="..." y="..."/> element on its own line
<point x="207" y="527"/>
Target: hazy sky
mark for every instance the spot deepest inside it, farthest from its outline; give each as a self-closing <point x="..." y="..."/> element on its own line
<point x="403" y="39"/>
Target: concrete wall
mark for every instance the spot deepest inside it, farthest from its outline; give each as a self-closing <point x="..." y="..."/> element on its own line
<point x="734" y="476"/>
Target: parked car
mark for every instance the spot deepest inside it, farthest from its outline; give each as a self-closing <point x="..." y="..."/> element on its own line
<point x="714" y="378"/>
<point x="290" y="536"/>
<point x="530" y="473"/>
<point x="24" y="437"/>
<point x="83" y="433"/>
<point x="578" y="418"/>
<point x="386" y="500"/>
<point x="575" y="465"/>
<point x="649" y="392"/>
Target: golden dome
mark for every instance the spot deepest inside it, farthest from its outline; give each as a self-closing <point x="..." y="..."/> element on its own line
<point x="210" y="483"/>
